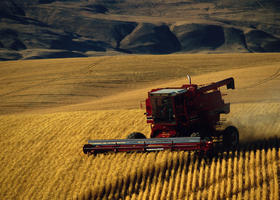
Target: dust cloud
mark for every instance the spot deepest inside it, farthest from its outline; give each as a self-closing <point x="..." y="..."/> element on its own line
<point x="256" y="121"/>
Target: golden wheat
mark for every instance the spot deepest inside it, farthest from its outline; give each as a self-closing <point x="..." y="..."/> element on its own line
<point x="41" y="154"/>
<point x="81" y="82"/>
<point x="45" y="151"/>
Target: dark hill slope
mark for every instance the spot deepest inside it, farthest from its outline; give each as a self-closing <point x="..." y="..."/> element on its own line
<point x="70" y="28"/>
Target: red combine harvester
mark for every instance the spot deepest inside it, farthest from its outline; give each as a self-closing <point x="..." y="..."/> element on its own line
<point x="181" y="118"/>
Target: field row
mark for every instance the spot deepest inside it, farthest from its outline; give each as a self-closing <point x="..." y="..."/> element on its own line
<point x="183" y="175"/>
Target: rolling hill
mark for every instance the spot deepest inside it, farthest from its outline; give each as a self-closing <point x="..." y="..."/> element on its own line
<point x="33" y="85"/>
<point x="74" y="28"/>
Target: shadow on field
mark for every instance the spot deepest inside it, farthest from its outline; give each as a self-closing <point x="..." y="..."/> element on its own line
<point x="272" y="142"/>
<point x="244" y="145"/>
<point x="134" y="183"/>
<point x="140" y="181"/>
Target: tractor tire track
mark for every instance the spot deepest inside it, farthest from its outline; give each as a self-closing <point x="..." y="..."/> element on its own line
<point x="62" y="76"/>
<point x="275" y="75"/>
<point x="93" y="65"/>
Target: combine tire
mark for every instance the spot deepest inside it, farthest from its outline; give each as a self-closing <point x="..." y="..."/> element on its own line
<point x="136" y="135"/>
<point x="230" y="138"/>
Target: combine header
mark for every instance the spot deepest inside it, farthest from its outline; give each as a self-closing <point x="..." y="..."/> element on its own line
<point x="145" y="145"/>
<point x="181" y="118"/>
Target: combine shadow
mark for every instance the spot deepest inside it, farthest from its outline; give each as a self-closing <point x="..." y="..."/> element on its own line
<point x="259" y="144"/>
<point x="246" y="145"/>
<point x="134" y="183"/>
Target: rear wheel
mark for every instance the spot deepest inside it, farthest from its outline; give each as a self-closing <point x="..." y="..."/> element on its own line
<point x="136" y="135"/>
<point x="230" y="137"/>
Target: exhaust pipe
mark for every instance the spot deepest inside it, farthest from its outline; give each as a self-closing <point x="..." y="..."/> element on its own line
<point x="189" y="79"/>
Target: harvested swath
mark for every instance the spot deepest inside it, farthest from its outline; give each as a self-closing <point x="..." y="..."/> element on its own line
<point x="72" y="82"/>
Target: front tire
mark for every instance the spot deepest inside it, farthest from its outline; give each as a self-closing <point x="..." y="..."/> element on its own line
<point x="230" y="137"/>
<point x="136" y="135"/>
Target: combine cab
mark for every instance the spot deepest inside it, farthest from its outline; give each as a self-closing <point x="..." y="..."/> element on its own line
<point x="181" y="118"/>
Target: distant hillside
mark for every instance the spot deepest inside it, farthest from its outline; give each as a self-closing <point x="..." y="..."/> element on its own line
<point x="33" y="29"/>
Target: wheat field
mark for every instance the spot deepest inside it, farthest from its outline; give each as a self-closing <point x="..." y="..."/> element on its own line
<point x="41" y="149"/>
<point x="41" y="158"/>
